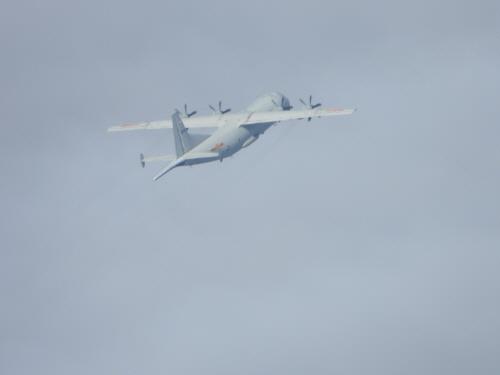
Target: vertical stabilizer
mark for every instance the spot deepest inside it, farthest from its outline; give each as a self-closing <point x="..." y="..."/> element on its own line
<point x="183" y="141"/>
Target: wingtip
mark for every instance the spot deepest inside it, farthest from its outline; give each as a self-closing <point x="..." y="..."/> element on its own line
<point x="115" y="128"/>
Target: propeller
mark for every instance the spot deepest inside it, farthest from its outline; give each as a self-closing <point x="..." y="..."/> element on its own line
<point x="186" y="113"/>
<point x="221" y="111"/>
<point x="310" y="105"/>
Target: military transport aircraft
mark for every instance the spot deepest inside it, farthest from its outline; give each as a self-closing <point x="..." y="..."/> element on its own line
<point x="233" y="131"/>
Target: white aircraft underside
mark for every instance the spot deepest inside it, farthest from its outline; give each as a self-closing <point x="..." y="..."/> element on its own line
<point x="233" y="131"/>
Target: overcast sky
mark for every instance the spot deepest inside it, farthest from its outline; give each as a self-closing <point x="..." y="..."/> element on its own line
<point x="357" y="245"/>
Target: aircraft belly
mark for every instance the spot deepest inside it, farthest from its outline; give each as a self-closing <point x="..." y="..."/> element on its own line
<point x="201" y="160"/>
<point x="229" y="140"/>
<point x="233" y="140"/>
<point x="258" y="129"/>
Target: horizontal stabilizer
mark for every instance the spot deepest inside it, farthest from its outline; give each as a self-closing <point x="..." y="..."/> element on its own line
<point x="149" y="159"/>
<point x="168" y="168"/>
<point x="188" y="159"/>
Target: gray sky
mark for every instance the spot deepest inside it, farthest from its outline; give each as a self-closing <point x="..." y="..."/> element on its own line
<point x="367" y="244"/>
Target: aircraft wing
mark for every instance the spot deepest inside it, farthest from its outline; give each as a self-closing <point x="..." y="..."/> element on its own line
<point x="278" y="116"/>
<point x="201" y="122"/>
<point x="242" y="118"/>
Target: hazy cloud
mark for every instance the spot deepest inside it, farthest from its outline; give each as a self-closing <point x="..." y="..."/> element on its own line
<point x="352" y="245"/>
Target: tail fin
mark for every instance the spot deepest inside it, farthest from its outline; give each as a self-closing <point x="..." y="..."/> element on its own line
<point x="183" y="141"/>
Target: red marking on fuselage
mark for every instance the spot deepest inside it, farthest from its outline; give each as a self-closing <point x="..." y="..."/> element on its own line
<point x="217" y="147"/>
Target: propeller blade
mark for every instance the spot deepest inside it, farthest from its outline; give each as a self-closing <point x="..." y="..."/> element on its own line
<point x="223" y="111"/>
<point x="311" y="105"/>
<point x="187" y="113"/>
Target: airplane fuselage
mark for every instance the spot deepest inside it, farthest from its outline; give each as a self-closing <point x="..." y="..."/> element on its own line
<point x="232" y="137"/>
<point x="234" y="131"/>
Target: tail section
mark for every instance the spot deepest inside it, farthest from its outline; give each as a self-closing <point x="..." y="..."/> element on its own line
<point x="183" y="141"/>
<point x="148" y="159"/>
<point x="168" y="168"/>
<point x="189" y="159"/>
